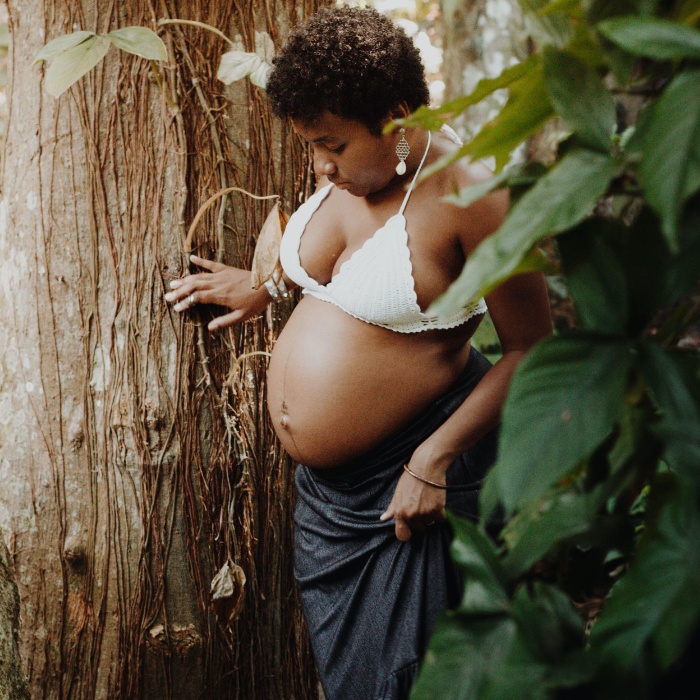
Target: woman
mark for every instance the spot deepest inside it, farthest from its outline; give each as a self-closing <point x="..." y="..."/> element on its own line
<point x="382" y="405"/>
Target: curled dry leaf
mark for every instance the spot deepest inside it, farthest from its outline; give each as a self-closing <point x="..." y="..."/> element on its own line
<point x="266" y="259"/>
<point x="228" y="592"/>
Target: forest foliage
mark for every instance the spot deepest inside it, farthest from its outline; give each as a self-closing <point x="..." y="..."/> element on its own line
<point x="598" y="470"/>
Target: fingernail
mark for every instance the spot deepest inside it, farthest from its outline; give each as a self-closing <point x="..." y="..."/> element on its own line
<point x="169" y="296"/>
<point x="178" y="307"/>
<point x="175" y="284"/>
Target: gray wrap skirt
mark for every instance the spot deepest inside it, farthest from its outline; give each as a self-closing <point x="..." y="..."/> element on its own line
<point x="371" y="601"/>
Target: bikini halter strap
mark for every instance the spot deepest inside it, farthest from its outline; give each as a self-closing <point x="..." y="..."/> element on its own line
<point x="415" y="177"/>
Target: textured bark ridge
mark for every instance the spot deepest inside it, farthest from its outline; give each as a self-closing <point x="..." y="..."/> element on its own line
<point x="136" y="457"/>
<point x="12" y="685"/>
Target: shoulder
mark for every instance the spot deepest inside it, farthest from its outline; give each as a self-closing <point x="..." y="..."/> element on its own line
<point x="481" y="218"/>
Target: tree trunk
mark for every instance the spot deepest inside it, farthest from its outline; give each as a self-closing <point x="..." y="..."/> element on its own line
<point x="482" y="37"/>
<point x="135" y="452"/>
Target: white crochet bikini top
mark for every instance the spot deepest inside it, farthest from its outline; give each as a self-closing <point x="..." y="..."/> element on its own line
<point x="376" y="283"/>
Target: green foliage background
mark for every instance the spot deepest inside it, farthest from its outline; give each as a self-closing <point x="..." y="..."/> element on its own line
<point x="593" y="590"/>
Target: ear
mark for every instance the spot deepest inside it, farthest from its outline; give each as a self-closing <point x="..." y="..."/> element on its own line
<point x="401" y="111"/>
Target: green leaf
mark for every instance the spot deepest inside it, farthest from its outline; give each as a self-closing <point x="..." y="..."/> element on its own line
<point x="595" y="278"/>
<point x="464" y="653"/>
<point x="546" y="29"/>
<point x="547" y="653"/>
<point x="654" y="608"/>
<point x="619" y="60"/>
<point x="140" y="41"/>
<point x="668" y="162"/>
<point x="485" y="580"/>
<point x="657" y="38"/>
<point x="468" y="195"/>
<point x="534" y="531"/>
<point x="527" y="110"/>
<point x="580" y="97"/>
<point x="71" y="65"/>
<point x="673" y="378"/>
<point x="62" y="43"/>
<point x="570" y="8"/>
<point x="564" y="400"/>
<point x="434" y="118"/>
<point x="559" y="200"/>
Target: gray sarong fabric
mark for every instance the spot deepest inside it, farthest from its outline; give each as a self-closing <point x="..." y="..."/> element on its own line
<point x="371" y="601"/>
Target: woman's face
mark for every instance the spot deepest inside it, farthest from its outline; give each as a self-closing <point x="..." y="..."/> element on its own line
<point x="349" y="155"/>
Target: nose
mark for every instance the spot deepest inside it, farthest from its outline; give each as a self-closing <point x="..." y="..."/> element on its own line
<point x="323" y="165"/>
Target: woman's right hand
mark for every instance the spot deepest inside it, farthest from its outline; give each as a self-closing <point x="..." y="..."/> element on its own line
<point x="221" y="285"/>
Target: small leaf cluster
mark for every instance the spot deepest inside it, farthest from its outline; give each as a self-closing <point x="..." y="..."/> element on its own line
<point x="71" y="56"/>
<point x="598" y="471"/>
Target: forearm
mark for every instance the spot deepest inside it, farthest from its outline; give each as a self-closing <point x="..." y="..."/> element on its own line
<point x="479" y="413"/>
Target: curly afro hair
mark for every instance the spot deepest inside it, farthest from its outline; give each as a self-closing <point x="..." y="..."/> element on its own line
<point x="355" y="63"/>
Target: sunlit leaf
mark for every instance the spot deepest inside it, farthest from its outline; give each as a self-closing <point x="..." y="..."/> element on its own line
<point x="669" y="140"/>
<point x="565" y="398"/>
<point x="653" y="37"/>
<point x="580" y="97"/>
<point x="71" y="65"/>
<point x="528" y="109"/>
<point x="570" y="8"/>
<point x="560" y="199"/>
<point x="140" y="41"/>
<point x="259" y="75"/>
<point x="61" y="44"/>
<point x="236" y="65"/>
<point x="434" y="118"/>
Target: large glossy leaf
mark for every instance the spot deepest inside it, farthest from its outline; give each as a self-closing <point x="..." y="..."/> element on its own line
<point x="536" y="530"/>
<point x="140" y="41"/>
<point x="69" y="66"/>
<point x="647" y="622"/>
<point x="674" y="379"/>
<point x="464" y="653"/>
<point x="485" y="580"/>
<point x="669" y="160"/>
<point x="61" y="44"/>
<point x="580" y="98"/>
<point x="595" y="278"/>
<point x="547" y="653"/>
<point x="564" y="400"/>
<point x="653" y="37"/>
<point x="560" y="200"/>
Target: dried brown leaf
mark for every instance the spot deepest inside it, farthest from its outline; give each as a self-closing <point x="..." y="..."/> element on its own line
<point x="266" y="259"/>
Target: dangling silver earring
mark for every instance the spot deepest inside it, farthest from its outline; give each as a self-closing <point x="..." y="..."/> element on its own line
<point x="402" y="151"/>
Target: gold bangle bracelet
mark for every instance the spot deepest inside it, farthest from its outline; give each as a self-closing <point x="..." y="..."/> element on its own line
<point x="444" y="487"/>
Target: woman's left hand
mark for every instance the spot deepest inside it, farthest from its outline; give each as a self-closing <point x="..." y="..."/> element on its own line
<point x="417" y="505"/>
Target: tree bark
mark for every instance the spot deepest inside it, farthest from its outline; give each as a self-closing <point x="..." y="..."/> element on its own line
<point x="12" y="683"/>
<point x="135" y="453"/>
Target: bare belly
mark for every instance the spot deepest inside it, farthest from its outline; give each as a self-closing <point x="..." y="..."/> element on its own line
<point x="338" y="386"/>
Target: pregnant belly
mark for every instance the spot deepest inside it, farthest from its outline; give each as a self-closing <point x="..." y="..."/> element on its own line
<point x="338" y="386"/>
